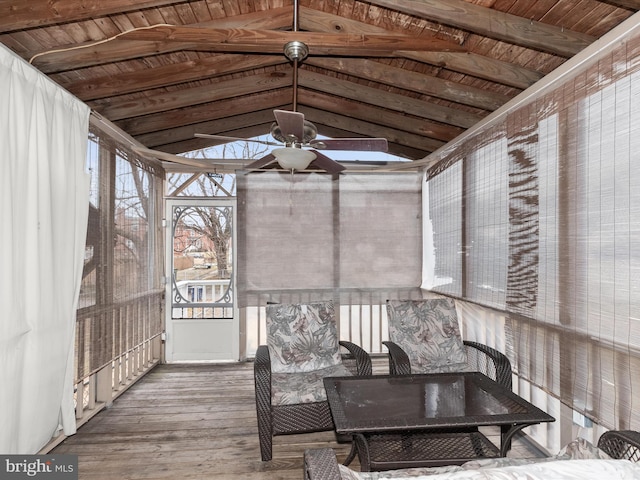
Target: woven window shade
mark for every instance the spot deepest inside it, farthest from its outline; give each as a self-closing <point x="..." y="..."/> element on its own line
<point x="546" y="225"/>
<point x="123" y="256"/>
<point x="312" y="232"/>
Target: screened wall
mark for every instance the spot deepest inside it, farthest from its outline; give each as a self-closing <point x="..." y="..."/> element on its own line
<point x="119" y="318"/>
<point x="537" y="214"/>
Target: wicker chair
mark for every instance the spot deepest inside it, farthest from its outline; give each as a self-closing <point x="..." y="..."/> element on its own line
<point x="621" y="444"/>
<point x="275" y="418"/>
<point x="476" y="356"/>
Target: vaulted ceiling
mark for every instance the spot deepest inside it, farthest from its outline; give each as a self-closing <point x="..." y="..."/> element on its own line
<point x="417" y="72"/>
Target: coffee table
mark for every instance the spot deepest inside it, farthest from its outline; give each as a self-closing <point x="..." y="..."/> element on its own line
<point x="426" y="420"/>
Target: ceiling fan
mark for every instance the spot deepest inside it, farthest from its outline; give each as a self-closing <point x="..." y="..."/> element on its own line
<point x="298" y="147"/>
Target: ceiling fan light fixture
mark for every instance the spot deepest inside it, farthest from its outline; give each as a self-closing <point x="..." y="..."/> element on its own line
<point x="291" y="158"/>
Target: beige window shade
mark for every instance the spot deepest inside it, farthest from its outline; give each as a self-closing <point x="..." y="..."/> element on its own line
<point x="546" y="225"/>
<point x="312" y="232"/>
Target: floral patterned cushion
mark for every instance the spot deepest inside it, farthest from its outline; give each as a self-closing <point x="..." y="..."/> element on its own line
<point x="428" y="331"/>
<point x="304" y="387"/>
<point x="302" y="338"/>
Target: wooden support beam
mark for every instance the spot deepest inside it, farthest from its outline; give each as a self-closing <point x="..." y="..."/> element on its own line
<point x="392" y="101"/>
<point x="153" y="103"/>
<point x="273" y="41"/>
<point x="165" y="75"/>
<point x="87" y="54"/>
<point x="494" y="24"/>
<point x="400" y="78"/>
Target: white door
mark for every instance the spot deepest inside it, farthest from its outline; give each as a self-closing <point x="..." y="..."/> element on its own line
<point x="202" y="316"/>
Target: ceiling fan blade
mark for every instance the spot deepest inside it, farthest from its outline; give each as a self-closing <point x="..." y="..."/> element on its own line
<point x="290" y="123"/>
<point x="235" y="139"/>
<point x="327" y="164"/>
<point x="357" y="144"/>
<point x="191" y="162"/>
<point x="261" y="162"/>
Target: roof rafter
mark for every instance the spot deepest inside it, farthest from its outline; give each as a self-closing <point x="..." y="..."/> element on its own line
<point x="494" y="24"/>
<point x="464" y="62"/>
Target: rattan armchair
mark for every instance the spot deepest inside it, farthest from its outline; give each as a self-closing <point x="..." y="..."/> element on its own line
<point x="304" y="417"/>
<point x="621" y="444"/>
<point x="477" y="357"/>
<point x="480" y="358"/>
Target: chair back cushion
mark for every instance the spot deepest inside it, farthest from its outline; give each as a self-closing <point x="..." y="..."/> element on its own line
<point x="302" y="337"/>
<point x="429" y="333"/>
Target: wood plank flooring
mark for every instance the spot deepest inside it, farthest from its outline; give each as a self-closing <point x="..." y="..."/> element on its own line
<point x="194" y="421"/>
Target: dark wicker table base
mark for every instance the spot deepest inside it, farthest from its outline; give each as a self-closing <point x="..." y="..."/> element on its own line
<point x="391" y="451"/>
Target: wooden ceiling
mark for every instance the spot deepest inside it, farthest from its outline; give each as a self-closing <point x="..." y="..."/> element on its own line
<point x="457" y="61"/>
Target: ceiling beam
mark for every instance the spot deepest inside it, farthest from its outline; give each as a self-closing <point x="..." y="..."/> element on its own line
<point x="198" y="115"/>
<point x="87" y="54"/>
<point x="392" y="101"/>
<point x="479" y="66"/>
<point x="400" y="78"/>
<point x="368" y="113"/>
<point x="494" y="24"/>
<point x="119" y="109"/>
<point x="165" y="75"/>
<point x="468" y="63"/>
<point x="273" y="41"/>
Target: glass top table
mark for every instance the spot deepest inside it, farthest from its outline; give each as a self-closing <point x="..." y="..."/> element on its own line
<point x="453" y="404"/>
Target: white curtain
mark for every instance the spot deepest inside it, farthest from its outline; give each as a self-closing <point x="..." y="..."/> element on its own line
<point x="45" y="198"/>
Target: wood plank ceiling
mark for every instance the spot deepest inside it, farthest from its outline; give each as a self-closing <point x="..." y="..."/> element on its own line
<point x="459" y="61"/>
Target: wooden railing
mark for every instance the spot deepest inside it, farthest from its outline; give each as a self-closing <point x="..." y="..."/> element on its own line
<point x="361" y="314"/>
<point x="115" y="345"/>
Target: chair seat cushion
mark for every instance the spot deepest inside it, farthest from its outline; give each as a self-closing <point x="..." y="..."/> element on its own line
<point x="303" y="387"/>
<point x="429" y="333"/>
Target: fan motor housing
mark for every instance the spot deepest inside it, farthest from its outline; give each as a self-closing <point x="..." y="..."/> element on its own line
<point x="310" y="132"/>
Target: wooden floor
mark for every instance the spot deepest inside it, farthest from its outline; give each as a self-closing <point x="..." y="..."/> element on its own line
<point x="194" y="422"/>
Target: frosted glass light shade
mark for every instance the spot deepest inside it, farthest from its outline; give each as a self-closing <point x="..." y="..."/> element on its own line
<point x="291" y="158"/>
